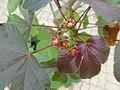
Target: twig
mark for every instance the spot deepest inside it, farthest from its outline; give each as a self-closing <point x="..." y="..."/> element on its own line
<point x="43" y="26"/>
<point x="51" y="7"/>
<point x="90" y="27"/>
<point x="59" y="8"/>
<point x="86" y="11"/>
<point x="41" y="49"/>
<point x="102" y="37"/>
<point x="82" y="15"/>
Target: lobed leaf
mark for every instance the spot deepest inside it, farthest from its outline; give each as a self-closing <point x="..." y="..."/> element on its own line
<point x="17" y="67"/>
<point x="12" y="5"/>
<point x="87" y="61"/>
<point x="34" y="5"/>
<point x="104" y="9"/>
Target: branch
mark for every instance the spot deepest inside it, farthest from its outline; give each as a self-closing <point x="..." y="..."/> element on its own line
<point x="102" y="37"/>
<point x="51" y="7"/>
<point x="67" y="7"/>
<point x="59" y="8"/>
<point x="86" y="12"/>
<point x="41" y="49"/>
<point x="44" y="26"/>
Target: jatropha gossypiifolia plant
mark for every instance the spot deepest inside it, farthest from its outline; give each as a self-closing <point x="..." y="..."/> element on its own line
<point x="41" y="57"/>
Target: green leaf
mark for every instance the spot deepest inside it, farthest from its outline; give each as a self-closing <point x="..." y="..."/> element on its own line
<point x="76" y="16"/>
<point x="48" y="64"/>
<point x="117" y="62"/>
<point x="112" y="2"/>
<point x="74" y="76"/>
<point x="85" y="22"/>
<point x="68" y="83"/>
<point x="71" y="79"/>
<point x="16" y="66"/>
<point x="20" y="23"/>
<point x="101" y="22"/>
<point x="34" y="5"/>
<point x="45" y="39"/>
<point x="25" y="13"/>
<point x="63" y="78"/>
<point x="67" y="15"/>
<point x="34" y="30"/>
<point x="84" y="36"/>
<point x="12" y="5"/>
<point x="56" y="76"/>
<point x="55" y="84"/>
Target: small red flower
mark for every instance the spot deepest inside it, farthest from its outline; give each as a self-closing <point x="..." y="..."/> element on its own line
<point x="64" y="44"/>
<point x="55" y="40"/>
<point x="70" y="23"/>
<point x="73" y="51"/>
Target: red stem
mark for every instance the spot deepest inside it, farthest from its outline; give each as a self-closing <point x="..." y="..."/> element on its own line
<point x="41" y="49"/>
<point x="14" y="63"/>
<point x="43" y="25"/>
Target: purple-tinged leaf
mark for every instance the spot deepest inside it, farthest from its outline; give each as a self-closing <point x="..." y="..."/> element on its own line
<point x="107" y="11"/>
<point x="88" y="61"/>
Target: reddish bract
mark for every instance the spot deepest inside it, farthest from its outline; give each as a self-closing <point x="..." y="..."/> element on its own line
<point x="73" y="51"/>
<point x="69" y="23"/>
<point x="55" y="40"/>
<point x="64" y="44"/>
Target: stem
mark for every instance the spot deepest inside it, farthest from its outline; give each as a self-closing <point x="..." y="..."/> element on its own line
<point x="43" y="26"/>
<point x="84" y="15"/>
<point x="108" y="38"/>
<point x="41" y="49"/>
<point x="90" y="27"/>
<point x="59" y="8"/>
<point x="51" y="7"/>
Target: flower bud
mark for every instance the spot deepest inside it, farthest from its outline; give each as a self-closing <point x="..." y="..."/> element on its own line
<point x="64" y="44"/>
<point x="73" y="51"/>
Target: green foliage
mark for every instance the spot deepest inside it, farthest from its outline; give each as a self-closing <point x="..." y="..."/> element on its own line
<point x="73" y="15"/>
<point x="34" y="5"/>
<point x="34" y="30"/>
<point x="84" y="36"/>
<point x="20" y="23"/>
<point x="101" y="22"/>
<point x="12" y="5"/>
<point x="85" y="22"/>
<point x="45" y="39"/>
<point x="76" y="16"/>
<point x="113" y="2"/>
<point x="66" y="80"/>
<point x="117" y="62"/>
